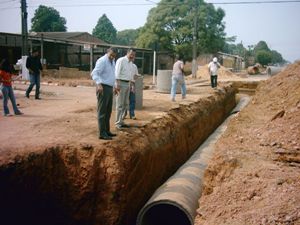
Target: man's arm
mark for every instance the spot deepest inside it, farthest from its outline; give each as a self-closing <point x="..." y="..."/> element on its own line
<point x="117" y="74"/>
<point x="96" y="75"/>
<point x="28" y="64"/>
<point x="98" y="71"/>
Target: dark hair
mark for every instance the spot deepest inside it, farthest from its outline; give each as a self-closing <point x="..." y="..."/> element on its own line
<point x="35" y="49"/>
<point x="131" y="49"/>
<point x="178" y="57"/>
<point x="5" y="66"/>
<point x="113" y="49"/>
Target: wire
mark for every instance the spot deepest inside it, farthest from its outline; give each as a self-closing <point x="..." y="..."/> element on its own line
<point x="150" y="2"/>
<point x="8" y="1"/>
<point x="255" y="2"/>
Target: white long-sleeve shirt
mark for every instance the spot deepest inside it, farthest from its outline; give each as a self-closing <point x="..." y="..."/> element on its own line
<point x="124" y="69"/>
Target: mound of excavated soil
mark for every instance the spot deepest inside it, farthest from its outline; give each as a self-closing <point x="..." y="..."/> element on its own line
<point x="223" y="72"/>
<point x="254" y="176"/>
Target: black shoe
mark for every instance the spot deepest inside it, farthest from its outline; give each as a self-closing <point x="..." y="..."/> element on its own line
<point x="111" y="134"/>
<point x="38" y="98"/>
<point x="27" y="95"/>
<point x="105" y="137"/>
<point x="125" y="126"/>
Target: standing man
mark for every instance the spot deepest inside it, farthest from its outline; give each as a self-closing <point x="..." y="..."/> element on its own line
<point x="213" y="68"/>
<point x="135" y="74"/>
<point x="33" y="64"/>
<point x="123" y="79"/>
<point x="178" y="77"/>
<point x="104" y="76"/>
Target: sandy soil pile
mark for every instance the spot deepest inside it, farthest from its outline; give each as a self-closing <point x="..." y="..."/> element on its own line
<point x="223" y="72"/>
<point x="254" y="177"/>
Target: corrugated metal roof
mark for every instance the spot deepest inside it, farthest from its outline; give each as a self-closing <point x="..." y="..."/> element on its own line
<point x="78" y="36"/>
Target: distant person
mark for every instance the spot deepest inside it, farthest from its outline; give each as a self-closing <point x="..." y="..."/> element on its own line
<point x="123" y="79"/>
<point x="178" y="78"/>
<point x="104" y="76"/>
<point x="33" y="64"/>
<point x="6" y="88"/>
<point x="213" y="68"/>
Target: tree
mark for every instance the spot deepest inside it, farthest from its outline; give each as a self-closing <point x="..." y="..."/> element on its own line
<point x="263" y="57"/>
<point x="276" y="57"/>
<point x="47" y="19"/>
<point x="127" y="37"/>
<point x="261" y="45"/>
<point x="170" y="27"/>
<point x="105" y="30"/>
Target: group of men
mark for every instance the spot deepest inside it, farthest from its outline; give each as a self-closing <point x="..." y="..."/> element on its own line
<point x="117" y="78"/>
<point x="178" y="75"/>
<point x="113" y="78"/>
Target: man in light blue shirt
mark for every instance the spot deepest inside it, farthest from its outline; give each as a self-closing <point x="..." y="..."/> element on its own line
<point x="104" y="76"/>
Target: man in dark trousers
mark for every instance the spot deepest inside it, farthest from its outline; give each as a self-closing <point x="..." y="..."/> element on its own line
<point x="33" y="64"/>
<point x="104" y="76"/>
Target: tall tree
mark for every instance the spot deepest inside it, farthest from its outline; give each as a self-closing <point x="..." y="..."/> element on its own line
<point x="105" y="30"/>
<point x="170" y="27"/>
<point x="263" y="57"/>
<point x="47" y="19"/>
<point x="127" y="37"/>
<point x="261" y="45"/>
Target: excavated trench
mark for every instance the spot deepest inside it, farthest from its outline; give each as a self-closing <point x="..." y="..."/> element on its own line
<point x="107" y="184"/>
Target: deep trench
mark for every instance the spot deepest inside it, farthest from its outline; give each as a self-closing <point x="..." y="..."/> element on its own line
<point x="38" y="189"/>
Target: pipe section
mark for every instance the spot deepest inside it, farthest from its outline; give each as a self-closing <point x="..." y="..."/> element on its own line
<point x="273" y="70"/>
<point x="176" y="201"/>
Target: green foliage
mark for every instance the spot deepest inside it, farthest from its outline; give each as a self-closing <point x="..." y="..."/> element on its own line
<point x="263" y="57"/>
<point x="105" y="30"/>
<point x="276" y="57"/>
<point x="262" y="45"/>
<point x="47" y="19"/>
<point x="260" y="52"/>
<point x="127" y="37"/>
<point x="170" y="26"/>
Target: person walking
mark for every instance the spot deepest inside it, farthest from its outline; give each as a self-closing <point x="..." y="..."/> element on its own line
<point x="6" y="88"/>
<point x="104" y="76"/>
<point x="213" y="68"/>
<point x="33" y="64"/>
<point x="178" y="78"/>
<point x="123" y="79"/>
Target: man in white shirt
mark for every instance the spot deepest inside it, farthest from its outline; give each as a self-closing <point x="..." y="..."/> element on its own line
<point x="213" y="68"/>
<point x="124" y="76"/>
<point x="104" y="77"/>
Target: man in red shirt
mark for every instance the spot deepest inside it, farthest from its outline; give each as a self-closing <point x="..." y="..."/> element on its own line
<point x="7" y="90"/>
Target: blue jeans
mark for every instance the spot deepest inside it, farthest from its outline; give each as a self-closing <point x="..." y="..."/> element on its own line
<point x="34" y="80"/>
<point x="8" y="93"/>
<point x="175" y="80"/>
<point x="131" y="104"/>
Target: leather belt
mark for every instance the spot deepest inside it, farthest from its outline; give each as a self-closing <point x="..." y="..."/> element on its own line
<point x="125" y="80"/>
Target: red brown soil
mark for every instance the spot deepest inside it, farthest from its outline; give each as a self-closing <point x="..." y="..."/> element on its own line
<point x="67" y="117"/>
<point x="254" y="176"/>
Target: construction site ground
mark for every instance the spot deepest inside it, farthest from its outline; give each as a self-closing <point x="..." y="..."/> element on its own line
<point x="254" y="177"/>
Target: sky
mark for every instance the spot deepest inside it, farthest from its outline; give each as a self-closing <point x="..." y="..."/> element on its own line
<point x="277" y="24"/>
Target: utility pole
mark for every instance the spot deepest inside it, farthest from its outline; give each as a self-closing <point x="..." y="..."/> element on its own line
<point x="24" y="15"/>
<point x="194" y="62"/>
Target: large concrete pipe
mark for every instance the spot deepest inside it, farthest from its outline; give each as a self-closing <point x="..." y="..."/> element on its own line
<point x="273" y="70"/>
<point x="164" y="81"/>
<point x="176" y="201"/>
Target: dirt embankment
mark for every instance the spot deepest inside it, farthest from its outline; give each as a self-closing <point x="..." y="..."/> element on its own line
<point x="106" y="183"/>
<point x="254" y="176"/>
